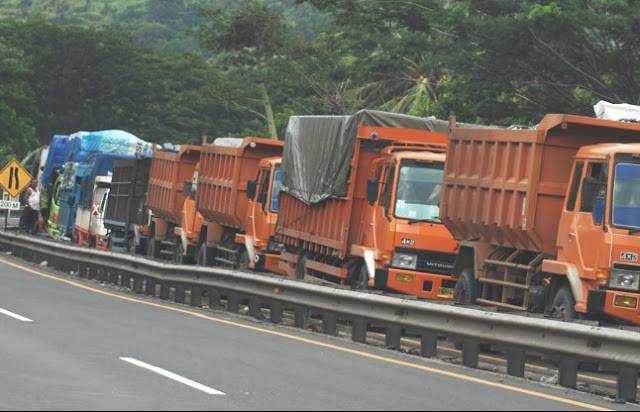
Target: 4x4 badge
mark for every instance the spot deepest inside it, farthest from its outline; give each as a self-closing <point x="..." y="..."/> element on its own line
<point x="629" y="257"/>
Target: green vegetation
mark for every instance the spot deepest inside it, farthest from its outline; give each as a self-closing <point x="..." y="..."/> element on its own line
<point x="176" y="70"/>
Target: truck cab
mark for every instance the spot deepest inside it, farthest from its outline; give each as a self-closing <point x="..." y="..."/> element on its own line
<point x="262" y="251"/>
<point x="89" y="227"/>
<point x="411" y="251"/>
<point x="598" y="238"/>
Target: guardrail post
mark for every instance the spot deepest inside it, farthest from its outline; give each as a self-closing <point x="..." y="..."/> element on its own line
<point x="298" y="320"/>
<point x="149" y="287"/>
<point x="627" y="385"/>
<point x="233" y="302"/>
<point x="214" y="298"/>
<point x="516" y="362"/>
<point x="254" y="307"/>
<point x="429" y="344"/>
<point x="568" y="372"/>
<point x="359" y="330"/>
<point x="165" y="291"/>
<point x="329" y="323"/>
<point x="392" y="337"/>
<point x="137" y="284"/>
<point x="275" y="312"/>
<point x="470" y="353"/>
<point x="195" y="299"/>
<point x="179" y="293"/>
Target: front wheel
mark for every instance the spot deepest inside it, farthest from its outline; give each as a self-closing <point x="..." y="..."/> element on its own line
<point x="243" y="261"/>
<point x="564" y="304"/>
<point x="466" y="289"/>
<point x="360" y="280"/>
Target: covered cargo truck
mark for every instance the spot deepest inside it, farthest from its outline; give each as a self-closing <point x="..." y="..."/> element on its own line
<point x="126" y="217"/>
<point x="175" y="223"/>
<point x="226" y="167"/>
<point x="545" y="216"/>
<point x="91" y="205"/>
<point x="359" y="203"/>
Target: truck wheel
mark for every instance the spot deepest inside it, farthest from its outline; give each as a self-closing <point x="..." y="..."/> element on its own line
<point x="302" y="263"/>
<point x="564" y="304"/>
<point x="201" y="257"/>
<point x="466" y="289"/>
<point x="243" y="261"/>
<point x="177" y="253"/>
<point x="361" y="280"/>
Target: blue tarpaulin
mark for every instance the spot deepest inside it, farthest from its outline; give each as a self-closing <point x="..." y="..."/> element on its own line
<point x="55" y="158"/>
<point x="98" y="165"/>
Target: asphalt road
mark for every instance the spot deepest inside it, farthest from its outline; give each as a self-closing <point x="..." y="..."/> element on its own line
<point x="70" y="344"/>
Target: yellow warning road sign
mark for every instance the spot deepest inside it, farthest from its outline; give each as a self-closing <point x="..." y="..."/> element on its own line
<point x="14" y="178"/>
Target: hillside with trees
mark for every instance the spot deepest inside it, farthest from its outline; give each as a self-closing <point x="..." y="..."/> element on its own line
<point x="177" y="70"/>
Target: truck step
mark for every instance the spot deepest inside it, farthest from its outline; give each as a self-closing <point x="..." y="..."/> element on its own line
<point x="225" y="261"/>
<point x="226" y="250"/>
<point x="509" y="264"/>
<point x="503" y="283"/>
<point x="500" y="304"/>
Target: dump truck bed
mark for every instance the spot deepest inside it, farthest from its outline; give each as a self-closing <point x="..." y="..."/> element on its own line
<point x="169" y="171"/>
<point x="224" y="172"/>
<point x="507" y="186"/>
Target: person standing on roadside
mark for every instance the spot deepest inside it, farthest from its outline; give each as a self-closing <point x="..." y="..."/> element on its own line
<point x="32" y="205"/>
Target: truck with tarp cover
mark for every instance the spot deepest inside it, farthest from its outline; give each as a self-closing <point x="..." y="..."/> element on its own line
<point x="82" y="151"/>
<point x="548" y="217"/>
<point x="359" y="203"/>
<point x="236" y="193"/>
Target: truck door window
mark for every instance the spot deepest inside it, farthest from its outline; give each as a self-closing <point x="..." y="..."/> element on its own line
<point x="626" y="195"/>
<point x="264" y="189"/>
<point x="385" y="199"/>
<point x="594" y="191"/>
<point x="275" y="191"/>
<point x="575" y="185"/>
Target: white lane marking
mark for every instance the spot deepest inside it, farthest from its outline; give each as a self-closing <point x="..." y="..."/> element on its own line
<point x="15" y="315"/>
<point x="173" y="376"/>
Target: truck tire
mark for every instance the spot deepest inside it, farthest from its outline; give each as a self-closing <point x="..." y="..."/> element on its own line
<point x="361" y="279"/>
<point x="564" y="304"/>
<point x="201" y="256"/>
<point x="302" y="263"/>
<point x="466" y="289"/>
<point x="243" y="261"/>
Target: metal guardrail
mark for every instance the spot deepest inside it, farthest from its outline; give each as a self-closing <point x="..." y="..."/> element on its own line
<point x="572" y="343"/>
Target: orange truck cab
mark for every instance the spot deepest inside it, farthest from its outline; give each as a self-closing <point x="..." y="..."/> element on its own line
<point x="375" y="230"/>
<point x="547" y="217"/>
<point x="262" y="251"/>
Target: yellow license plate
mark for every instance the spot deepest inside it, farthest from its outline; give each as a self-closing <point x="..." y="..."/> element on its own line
<point x="445" y="292"/>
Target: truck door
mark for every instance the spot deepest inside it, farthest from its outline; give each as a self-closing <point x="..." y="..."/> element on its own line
<point x="582" y="236"/>
<point x="260" y="207"/>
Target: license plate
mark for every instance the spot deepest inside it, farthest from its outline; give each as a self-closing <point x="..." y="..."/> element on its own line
<point x="445" y="292"/>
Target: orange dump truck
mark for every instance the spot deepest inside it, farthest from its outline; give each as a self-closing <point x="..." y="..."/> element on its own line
<point x="175" y="223"/>
<point x="359" y="203"/>
<point x="546" y="216"/>
<point x="237" y="197"/>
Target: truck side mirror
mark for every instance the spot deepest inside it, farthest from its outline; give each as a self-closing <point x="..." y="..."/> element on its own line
<point x="372" y="190"/>
<point x="252" y="187"/>
<point x="186" y="189"/>
<point x="72" y="200"/>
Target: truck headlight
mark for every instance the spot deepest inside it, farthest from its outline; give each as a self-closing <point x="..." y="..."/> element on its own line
<point x="404" y="261"/>
<point x="624" y="280"/>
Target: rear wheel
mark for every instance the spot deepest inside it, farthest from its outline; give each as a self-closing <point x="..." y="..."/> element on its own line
<point x="302" y="263"/>
<point x="564" y="304"/>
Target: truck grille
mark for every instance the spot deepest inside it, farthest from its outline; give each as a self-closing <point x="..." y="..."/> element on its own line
<point x="432" y="262"/>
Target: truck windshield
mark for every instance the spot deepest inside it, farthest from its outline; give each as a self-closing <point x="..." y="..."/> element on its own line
<point x="418" y="193"/>
<point x="626" y="196"/>
<point x="275" y="191"/>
